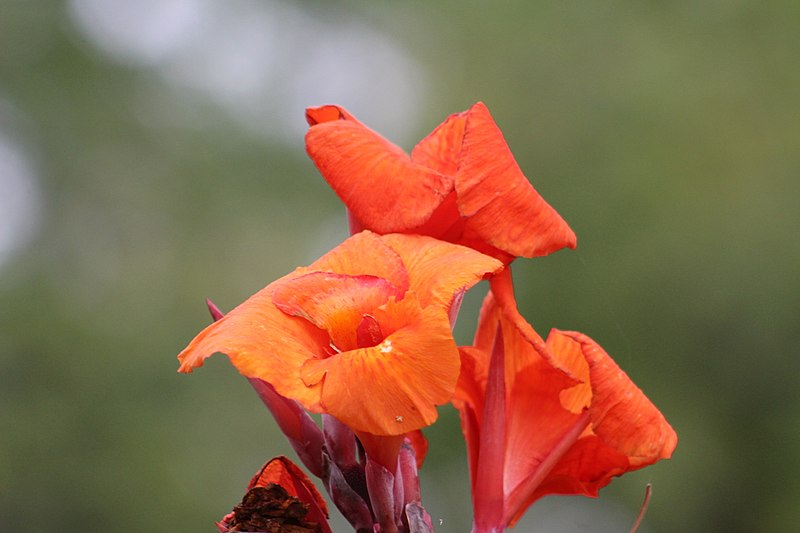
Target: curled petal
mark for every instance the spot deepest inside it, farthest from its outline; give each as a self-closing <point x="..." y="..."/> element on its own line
<point x="621" y="414"/>
<point x="524" y="346"/>
<point x="327" y="113"/>
<point x="541" y="432"/>
<point x="439" y="271"/>
<point x="377" y="181"/>
<point x="441" y="148"/>
<point x="500" y="204"/>
<point x="401" y="380"/>
<point x="623" y="431"/>
<point x="364" y="254"/>
<point x="574" y="420"/>
<point x="350" y="318"/>
<point x="368" y="331"/>
<point x="262" y="342"/>
<point x="336" y="303"/>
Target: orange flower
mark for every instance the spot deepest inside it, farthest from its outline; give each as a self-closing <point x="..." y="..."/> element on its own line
<point x="362" y="334"/>
<point x="572" y="419"/>
<point x="460" y="184"/>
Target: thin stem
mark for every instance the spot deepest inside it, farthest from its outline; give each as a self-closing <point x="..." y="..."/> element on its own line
<point x="648" y="491"/>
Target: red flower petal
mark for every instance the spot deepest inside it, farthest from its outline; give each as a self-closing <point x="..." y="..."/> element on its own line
<point x="500" y="204"/>
<point x="262" y="342"/>
<point x="392" y="388"/>
<point x="622" y="416"/>
<point x="574" y="419"/>
<point x="440" y="149"/>
<point x="468" y="400"/>
<point x="344" y="336"/>
<point x="379" y="183"/>
<point x="620" y="431"/>
<point x="265" y="343"/>
<point x="327" y="113"/>
<point x="584" y="469"/>
<point x="336" y="303"/>
<point x="364" y="254"/>
<point x="437" y="270"/>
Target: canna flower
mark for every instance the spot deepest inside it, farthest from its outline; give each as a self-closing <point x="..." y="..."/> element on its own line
<point x="363" y="334"/>
<point x="554" y="417"/>
<point x="461" y="184"/>
<point x="280" y="497"/>
<point x="378" y="487"/>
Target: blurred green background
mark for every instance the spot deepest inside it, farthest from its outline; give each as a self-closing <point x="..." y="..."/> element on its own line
<point x="151" y="155"/>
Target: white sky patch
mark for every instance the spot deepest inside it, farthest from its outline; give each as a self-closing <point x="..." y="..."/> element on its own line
<point x="138" y="32"/>
<point x="20" y="198"/>
<point x="263" y="62"/>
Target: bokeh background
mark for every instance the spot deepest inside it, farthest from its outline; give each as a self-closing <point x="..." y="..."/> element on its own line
<point x="151" y="155"/>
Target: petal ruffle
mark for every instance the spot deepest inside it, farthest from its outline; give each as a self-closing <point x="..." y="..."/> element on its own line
<point x="262" y="342"/>
<point x="380" y="184"/>
<point x="335" y="303"/>
<point x="348" y="319"/>
<point x="440" y="149"/>
<point x="391" y="388"/>
<point x="461" y="184"/>
<point x="622" y="416"/>
<point x="574" y="419"/>
<point x="537" y="419"/>
<point x="535" y="415"/>
<point x="438" y="270"/>
<point x="624" y="430"/>
<point x="500" y="204"/>
<point x="363" y="254"/>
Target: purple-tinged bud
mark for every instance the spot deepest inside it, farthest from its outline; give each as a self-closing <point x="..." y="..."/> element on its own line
<point x="407" y="468"/>
<point x="340" y="441"/>
<point x="303" y="433"/>
<point x="216" y="314"/>
<point x="350" y="504"/>
<point x="380" y="483"/>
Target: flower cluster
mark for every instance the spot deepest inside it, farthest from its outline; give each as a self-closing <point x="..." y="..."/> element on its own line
<point x="363" y="336"/>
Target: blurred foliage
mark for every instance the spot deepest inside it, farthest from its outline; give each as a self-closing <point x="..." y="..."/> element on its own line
<point x="667" y="134"/>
